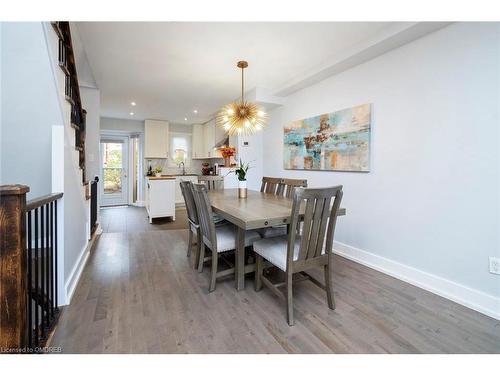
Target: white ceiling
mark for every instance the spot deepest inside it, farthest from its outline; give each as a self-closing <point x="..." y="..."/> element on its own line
<point x="171" y="68"/>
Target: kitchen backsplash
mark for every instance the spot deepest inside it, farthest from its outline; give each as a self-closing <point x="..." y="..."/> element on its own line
<point x="193" y="168"/>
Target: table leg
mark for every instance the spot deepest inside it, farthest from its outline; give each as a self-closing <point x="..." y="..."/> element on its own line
<point x="240" y="259"/>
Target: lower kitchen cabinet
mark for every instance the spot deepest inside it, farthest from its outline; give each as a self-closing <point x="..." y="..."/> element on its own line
<point x="160" y="198"/>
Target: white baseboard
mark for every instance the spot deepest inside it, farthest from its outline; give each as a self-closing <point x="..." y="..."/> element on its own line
<point x="472" y="298"/>
<point x="139" y="204"/>
<point x="77" y="270"/>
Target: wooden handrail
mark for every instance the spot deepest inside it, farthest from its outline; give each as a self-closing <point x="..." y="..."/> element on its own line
<point x="39" y="202"/>
<point x="13" y="299"/>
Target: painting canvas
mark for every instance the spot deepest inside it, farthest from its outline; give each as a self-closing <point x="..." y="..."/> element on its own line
<point x="337" y="141"/>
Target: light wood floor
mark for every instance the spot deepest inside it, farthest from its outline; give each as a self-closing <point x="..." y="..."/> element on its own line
<point x="138" y="294"/>
<point x="135" y="219"/>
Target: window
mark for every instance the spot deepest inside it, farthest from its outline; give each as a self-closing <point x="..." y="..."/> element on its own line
<point x="112" y="166"/>
<point x="180" y="149"/>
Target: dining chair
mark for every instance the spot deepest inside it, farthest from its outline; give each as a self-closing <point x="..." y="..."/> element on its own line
<point x="218" y="239"/>
<point x="288" y="185"/>
<point x="212" y="182"/>
<point x="282" y="187"/>
<point x="270" y="185"/>
<point x="193" y="221"/>
<point x="296" y="253"/>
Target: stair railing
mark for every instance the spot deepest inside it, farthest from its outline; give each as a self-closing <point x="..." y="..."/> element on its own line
<point x="93" y="205"/>
<point x="67" y="63"/>
<point x="28" y="269"/>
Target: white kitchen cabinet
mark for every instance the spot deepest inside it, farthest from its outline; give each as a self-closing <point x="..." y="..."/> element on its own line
<point x="179" y="199"/>
<point x="204" y="140"/>
<point x="209" y="137"/>
<point x="160" y="198"/>
<point x="155" y="139"/>
<point x="198" y="143"/>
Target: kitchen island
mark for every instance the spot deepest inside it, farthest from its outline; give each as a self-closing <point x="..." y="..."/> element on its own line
<point x="160" y="197"/>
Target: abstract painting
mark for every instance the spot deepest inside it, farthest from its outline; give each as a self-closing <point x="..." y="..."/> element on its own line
<point x="337" y="141"/>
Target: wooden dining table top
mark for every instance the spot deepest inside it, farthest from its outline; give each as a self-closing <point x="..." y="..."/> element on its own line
<point x="258" y="210"/>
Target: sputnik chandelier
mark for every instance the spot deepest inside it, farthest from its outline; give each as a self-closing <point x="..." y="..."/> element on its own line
<point x="242" y="118"/>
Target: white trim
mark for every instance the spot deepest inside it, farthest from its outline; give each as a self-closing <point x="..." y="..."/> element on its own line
<point x="112" y="201"/>
<point x="77" y="270"/>
<point x="464" y="295"/>
<point x="139" y="204"/>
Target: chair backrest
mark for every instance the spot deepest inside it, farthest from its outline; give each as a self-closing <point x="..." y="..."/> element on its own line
<point x="212" y="182"/>
<point x="205" y="215"/>
<point x="281" y="186"/>
<point x="288" y="185"/>
<point x="187" y="193"/>
<point x="270" y="185"/>
<point x="320" y="216"/>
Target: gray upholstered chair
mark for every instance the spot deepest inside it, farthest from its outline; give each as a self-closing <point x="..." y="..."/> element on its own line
<point x="212" y="182"/>
<point x="218" y="239"/>
<point x="296" y="253"/>
<point x="193" y="222"/>
<point x="282" y="187"/>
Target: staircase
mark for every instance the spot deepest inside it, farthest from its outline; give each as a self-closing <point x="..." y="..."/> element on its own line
<point x="40" y="237"/>
<point x="74" y="109"/>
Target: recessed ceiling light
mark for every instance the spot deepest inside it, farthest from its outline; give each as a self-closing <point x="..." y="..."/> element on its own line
<point x="132" y="104"/>
<point x="195" y="111"/>
<point x="185" y="118"/>
<point x="131" y="113"/>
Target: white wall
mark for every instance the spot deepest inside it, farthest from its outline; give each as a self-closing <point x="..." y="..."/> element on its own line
<point x="119" y="124"/>
<point x="251" y="153"/>
<point x="431" y="200"/>
<point x="75" y="230"/>
<point x="29" y="108"/>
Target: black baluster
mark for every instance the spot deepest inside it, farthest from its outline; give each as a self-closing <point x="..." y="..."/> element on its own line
<point x="47" y="265"/>
<point x="52" y="292"/>
<point x="41" y="295"/>
<point x="35" y="295"/>
<point x="55" y="257"/>
<point x="30" y="283"/>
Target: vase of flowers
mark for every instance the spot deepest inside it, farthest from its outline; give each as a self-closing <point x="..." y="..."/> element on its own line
<point x="241" y="172"/>
<point x="227" y="152"/>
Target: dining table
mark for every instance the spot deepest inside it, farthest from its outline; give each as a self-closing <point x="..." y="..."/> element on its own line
<point x="258" y="210"/>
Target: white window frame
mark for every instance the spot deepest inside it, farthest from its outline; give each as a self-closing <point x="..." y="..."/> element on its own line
<point x="189" y="138"/>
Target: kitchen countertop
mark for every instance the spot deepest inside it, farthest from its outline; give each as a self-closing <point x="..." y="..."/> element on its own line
<point x="171" y="176"/>
<point x="161" y="178"/>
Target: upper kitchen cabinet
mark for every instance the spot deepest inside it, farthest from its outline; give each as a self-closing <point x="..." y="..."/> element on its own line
<point x="205" y="138"/>
<point x="156" y="139"/>
<point x="209" y="136"/>
<point x="198" y="142"/>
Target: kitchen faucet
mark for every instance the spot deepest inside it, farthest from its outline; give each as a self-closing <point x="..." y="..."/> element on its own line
<point x="183" y="168"/>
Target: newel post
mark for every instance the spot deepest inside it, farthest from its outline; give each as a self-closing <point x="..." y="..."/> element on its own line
<point x="13" y="277"/>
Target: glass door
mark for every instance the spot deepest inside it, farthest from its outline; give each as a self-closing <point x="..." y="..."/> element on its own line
<point x="114" y="158"/>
